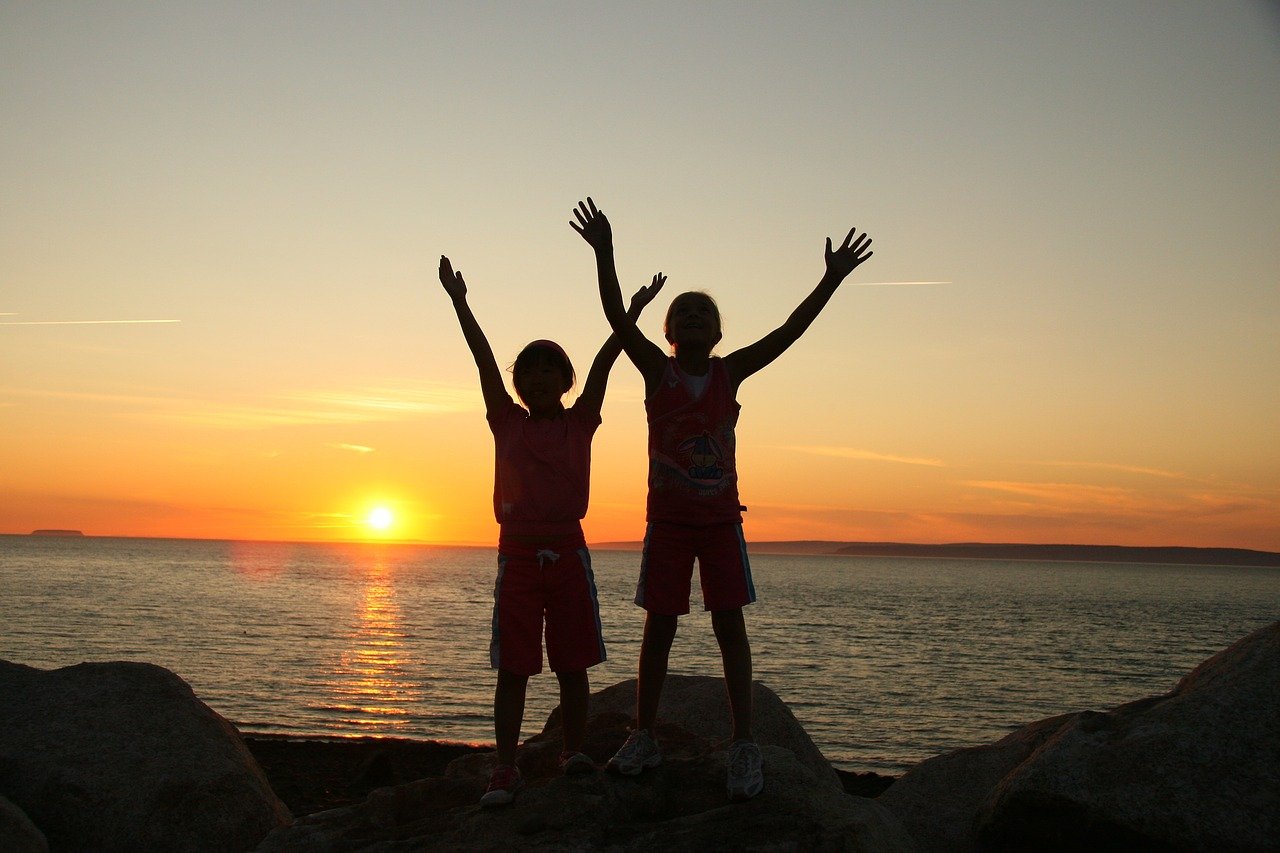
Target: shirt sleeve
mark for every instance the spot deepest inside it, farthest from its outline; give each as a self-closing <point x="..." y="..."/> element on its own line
<point x="500" y="420"/>
<point x="583" y="421"/>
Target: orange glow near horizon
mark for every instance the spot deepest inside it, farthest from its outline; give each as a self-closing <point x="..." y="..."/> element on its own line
<point x="875" y="508"/>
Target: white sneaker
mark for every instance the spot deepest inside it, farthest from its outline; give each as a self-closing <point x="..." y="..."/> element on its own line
<point x="640" y="751"/>
<point x="746" y="774"/>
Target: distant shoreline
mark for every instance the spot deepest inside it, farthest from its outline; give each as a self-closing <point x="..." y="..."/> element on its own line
<point x="1159" y="555"/>
<point x="1167" y="555"/>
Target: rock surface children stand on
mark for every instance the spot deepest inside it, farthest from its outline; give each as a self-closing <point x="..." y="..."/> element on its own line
<point x="693" y="510"/>
<point x="541" y="480"/>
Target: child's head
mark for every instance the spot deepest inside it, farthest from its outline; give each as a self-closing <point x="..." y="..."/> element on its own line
<point x="692" y="316"/>
<point x="542" y="372"/>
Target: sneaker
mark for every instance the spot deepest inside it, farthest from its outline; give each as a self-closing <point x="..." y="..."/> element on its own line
<point x="636" y="754"/>
<point x="576" y="764"/>
<point x="504" y="781"/>
<point x="746" y="774"/>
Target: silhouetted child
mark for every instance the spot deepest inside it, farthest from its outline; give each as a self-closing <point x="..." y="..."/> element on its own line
<point x="693" y="510"/>
<point x="541" y="479"/>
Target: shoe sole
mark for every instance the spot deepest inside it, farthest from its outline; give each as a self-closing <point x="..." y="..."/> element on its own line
<point x="743" y="794"/>
<point x="499" y="798"/>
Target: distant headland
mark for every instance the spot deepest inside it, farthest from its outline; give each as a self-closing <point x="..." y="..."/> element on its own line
<point x="57" y="533"/>
<point x="998" y="551"/>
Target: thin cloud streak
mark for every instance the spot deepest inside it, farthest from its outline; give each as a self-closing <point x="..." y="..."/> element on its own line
<point x="892" y="283"/>
<point x="354" y="448"/>
<point x="361" y="406"/>
<point x="1124" y="469"/>
<point x="81" y="322"/>
<point x="867" y="455"/>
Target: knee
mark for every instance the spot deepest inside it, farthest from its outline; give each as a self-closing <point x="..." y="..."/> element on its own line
<point x="573" y="680"/>
<point x="660" y="631"/>
<point x="729" y="626"/>
<point x="508" y="680"/>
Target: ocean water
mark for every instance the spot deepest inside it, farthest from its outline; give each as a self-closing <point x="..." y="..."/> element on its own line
<point x="885" y="661"/>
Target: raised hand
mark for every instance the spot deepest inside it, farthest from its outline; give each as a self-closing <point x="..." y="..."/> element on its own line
<point x="452" y="281"/>
<point x="852" y="252"/>
<point x="645" y="295"/>
<point x="593" y="225"/>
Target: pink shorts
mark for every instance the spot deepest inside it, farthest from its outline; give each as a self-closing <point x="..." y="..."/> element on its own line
<point x="666" y="568"/>
<point x="555" y="580"/>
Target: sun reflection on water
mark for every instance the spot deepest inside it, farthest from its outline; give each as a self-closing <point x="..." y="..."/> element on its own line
<point x="372" y="684"/>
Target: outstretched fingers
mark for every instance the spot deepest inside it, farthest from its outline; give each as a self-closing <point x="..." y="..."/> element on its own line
<point x="592" y="224"/>
<point x="451" y="280"/>
<point x="854" y="249"/>
<point x="654" y="286"/>
<point x="853" y="242"/>
<point x="645" y="294"/>
<point x="586" y="213"/>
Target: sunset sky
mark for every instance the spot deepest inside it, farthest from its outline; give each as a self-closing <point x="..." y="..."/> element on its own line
<point x="1096" y="184"/>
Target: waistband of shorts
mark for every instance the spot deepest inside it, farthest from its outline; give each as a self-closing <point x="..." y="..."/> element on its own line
<point x="528" y="543"/>
<point x="530" y="531"/>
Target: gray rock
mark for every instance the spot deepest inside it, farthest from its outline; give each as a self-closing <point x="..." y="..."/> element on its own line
<point x="938" y="799"/>
<point x="679" y="805"/>
<point x="17" y="833"/>
<point x="1195" y="769"/>
<point x="123" y="756"/>
<point x="698" y="704"/>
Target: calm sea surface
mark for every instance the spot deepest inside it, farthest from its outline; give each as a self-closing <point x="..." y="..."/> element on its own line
<point x="885" y="661"/>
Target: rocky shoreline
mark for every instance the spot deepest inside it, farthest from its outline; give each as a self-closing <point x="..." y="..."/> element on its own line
<point x="123" y="756"/>
<point x="313" y="774"/>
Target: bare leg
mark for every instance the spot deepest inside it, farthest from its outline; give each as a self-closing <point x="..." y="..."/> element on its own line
<point x="508" y="713"/>
<point x="575" y="693"/>
<point x="735" y="654"/>
<point x="655" y="649"/>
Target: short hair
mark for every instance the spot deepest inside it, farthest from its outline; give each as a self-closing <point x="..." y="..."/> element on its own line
<point x="543" y="352"/>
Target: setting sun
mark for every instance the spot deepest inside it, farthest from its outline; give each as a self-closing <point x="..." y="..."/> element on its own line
<point x="380" y="518"/>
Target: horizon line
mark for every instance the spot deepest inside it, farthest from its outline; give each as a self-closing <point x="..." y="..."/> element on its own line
<point x="67" y="533"/>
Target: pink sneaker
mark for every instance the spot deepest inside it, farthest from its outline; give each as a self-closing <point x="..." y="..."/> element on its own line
<point x="504" y="781"/>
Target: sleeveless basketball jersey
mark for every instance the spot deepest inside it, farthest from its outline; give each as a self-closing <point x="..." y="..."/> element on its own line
<point x="693" y="475"/>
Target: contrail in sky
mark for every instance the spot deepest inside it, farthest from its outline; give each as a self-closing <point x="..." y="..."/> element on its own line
<point x="79" y="322"/>
<point x="893" y="283"/>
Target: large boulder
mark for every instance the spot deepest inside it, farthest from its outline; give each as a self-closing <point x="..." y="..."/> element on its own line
<point x="17" y="833"/>
<point x="123" y="756"/>
<point x="938" y="799"/>
<point x="1197" y="768"/>
<point x="679" y="805"/>
<point x="698" y="704"/>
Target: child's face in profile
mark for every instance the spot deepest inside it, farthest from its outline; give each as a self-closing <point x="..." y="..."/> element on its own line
<point x="693" y="320"/>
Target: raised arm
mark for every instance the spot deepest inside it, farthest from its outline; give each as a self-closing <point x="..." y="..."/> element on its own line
<point x="594" y="227"/>
<point x="840" y="262"/>
<point x="592" y="396"/>
<point x="491" y="386"/>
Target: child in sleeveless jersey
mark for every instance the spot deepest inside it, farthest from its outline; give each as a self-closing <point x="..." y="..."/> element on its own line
<point x="693" y="511"/>
<point x="541" y="478"/>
